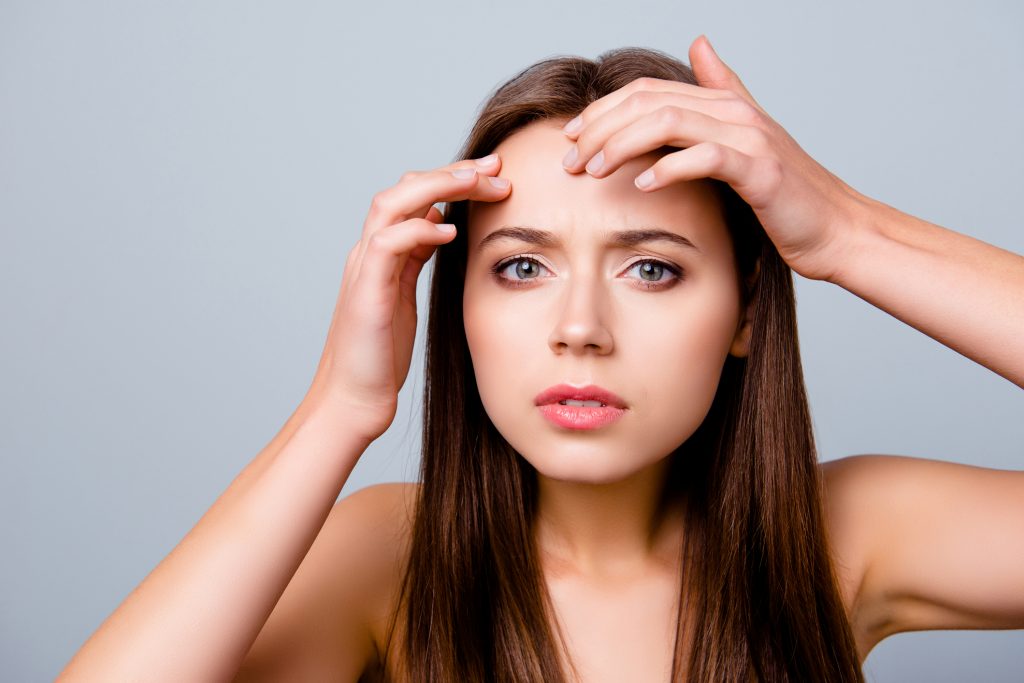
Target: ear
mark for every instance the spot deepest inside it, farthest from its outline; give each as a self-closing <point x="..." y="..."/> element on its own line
<point x="741" y="342"/>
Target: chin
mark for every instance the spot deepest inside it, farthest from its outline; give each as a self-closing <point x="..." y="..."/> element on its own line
<point x="583" y="467"/>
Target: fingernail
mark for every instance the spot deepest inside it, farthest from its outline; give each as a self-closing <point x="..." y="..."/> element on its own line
<point x="498" y="182"/>
<point x="487" y="160"/>
<point x="573" y="125"/>
<point x="644" y="179"/>
<point x="445" y="227"/>
<point x="570" y="158"/>
<point x="595" y="163"/>
<point x="463" y="173"/>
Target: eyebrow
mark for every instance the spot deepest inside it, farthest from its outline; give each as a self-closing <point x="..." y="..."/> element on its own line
<point x="621" y="238"/>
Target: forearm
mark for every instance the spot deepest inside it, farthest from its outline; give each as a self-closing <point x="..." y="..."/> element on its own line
<point x="965" y="293"/>
<point x="196" y="615"/>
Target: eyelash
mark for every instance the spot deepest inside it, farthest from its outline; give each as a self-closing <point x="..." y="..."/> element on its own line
<point x="677" y="273"/>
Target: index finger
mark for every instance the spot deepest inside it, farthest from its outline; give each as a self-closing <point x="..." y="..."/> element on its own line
<point x="604" y="104"/>
<point x="417" y="192"/>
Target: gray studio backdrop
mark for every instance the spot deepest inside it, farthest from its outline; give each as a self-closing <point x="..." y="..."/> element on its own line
<point x="180" y="184"/>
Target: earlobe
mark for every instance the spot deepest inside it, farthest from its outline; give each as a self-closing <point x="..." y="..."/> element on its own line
<point x="741" y="342"/>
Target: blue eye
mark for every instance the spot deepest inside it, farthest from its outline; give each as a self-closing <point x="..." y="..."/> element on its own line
<point x="526" y="268"/>
<point x="655" y="269"/>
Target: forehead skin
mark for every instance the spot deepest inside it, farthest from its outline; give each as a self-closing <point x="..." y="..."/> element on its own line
<point x="547" y="197"/>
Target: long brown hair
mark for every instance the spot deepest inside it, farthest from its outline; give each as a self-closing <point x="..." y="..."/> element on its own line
<point x="758" y="583"/>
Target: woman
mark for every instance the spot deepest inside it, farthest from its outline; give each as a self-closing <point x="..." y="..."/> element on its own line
<point x="682" y="529"/>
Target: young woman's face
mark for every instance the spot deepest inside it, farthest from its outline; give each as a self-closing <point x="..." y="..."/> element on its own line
<point x="583" y="310"/>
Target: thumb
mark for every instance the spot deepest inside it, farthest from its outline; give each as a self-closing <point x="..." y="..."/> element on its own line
<point x="712" y="72"/>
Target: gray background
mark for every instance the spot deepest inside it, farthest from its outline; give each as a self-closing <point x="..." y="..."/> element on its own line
<point x="180" y="184"/>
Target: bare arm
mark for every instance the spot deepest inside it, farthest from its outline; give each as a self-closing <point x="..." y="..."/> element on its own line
<point x="937" y="545"/>
<point x="195" y="616"/>
<point x="962" y="292"/>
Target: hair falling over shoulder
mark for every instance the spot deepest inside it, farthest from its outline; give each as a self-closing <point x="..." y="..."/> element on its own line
<point x="759" y="590"/>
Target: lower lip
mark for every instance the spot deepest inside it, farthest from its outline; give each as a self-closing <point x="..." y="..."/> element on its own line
<point x="581" y="417"/>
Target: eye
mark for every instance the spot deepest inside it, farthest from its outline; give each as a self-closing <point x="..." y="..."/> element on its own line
<point x="651" y="272"/>
<point x="525" y="268"/>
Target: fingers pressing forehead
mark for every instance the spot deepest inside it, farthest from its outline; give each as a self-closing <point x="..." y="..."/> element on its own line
<point x="645" y="83"/>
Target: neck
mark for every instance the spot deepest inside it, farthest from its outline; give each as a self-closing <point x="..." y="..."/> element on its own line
<point x="612" y="528"/>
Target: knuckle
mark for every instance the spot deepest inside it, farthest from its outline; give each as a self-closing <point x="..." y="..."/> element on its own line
<point x="644" y="83"/>
<point x="640" y="100"/>
<point x="748" y="113"/>
<point x="408" y="175"/>
<point x="715" y="154"/>
<point x="669" y="116"/>
<point x="377" y="241"/>
<point x="772" y="172"/>
<point x="757" y="139"/>
<point x="381" y="202"/>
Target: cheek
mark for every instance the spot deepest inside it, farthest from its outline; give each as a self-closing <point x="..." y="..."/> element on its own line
<point x="507" y="346"/>
<point x="686" y="353"/>
<point x="675" y="357"/>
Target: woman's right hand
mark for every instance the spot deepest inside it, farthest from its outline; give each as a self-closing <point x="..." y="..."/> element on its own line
<point x="369" y="344"/>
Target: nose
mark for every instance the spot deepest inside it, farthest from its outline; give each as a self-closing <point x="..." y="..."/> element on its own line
<point x="581" y="324"/>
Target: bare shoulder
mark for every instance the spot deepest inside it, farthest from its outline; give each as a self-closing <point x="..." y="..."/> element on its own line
<point x="922" y="544"/>
<point x="376" y="523"/>
<point x="368" y="512"/>
<point x="328" y="621"/>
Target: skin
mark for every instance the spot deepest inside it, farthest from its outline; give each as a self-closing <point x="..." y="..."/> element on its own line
<point x="918" y="544"/>
<point x="277" y="586"/>
<point x="583" y="316"/>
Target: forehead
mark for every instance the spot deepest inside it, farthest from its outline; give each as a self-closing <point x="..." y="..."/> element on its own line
<point x="547" y="197"/>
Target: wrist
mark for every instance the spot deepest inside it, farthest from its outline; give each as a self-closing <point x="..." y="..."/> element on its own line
<point x="855" y="233"/>
<point x="343" y="420"/>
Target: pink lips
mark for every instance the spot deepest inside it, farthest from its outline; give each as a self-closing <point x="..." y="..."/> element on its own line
<point x="591" y="392"/>
<point x="580" y="417"/>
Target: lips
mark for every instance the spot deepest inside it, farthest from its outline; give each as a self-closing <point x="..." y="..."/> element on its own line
<point x="590" y="392"/>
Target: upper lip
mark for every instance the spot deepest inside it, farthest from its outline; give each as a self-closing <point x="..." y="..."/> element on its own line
<point x="590" y="392"/>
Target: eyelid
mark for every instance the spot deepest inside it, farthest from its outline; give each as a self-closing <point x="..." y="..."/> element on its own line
<point x="677" y="272"/>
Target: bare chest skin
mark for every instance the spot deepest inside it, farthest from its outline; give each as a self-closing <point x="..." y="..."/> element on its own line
<point x="623" y="627"/>
<point x="618" y="628"/>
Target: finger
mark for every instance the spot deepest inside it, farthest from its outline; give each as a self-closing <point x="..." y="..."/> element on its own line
<point x="421" y="253"/>
<point x="674" y="119"/>
<point x="415" y="194"/>
<point x="434" y="215"/>
<point x="395" y="196"/>
<point x="712" y="72"/>
<point x="417" y="259"/>
<point x="752" y="178"/>
<point x="595" y="109"/>
<point x="410" y="274"/>
<point x="386" y="256"/>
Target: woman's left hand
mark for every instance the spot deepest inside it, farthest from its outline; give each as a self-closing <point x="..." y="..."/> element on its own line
<point x="808" y="212"/>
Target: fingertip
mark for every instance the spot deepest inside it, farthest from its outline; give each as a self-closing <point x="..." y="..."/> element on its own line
<point x="490" y="161"/>
<point x="573" y="126"/>
<point x="645" y="180"/>
<point x="499" y="183"/>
